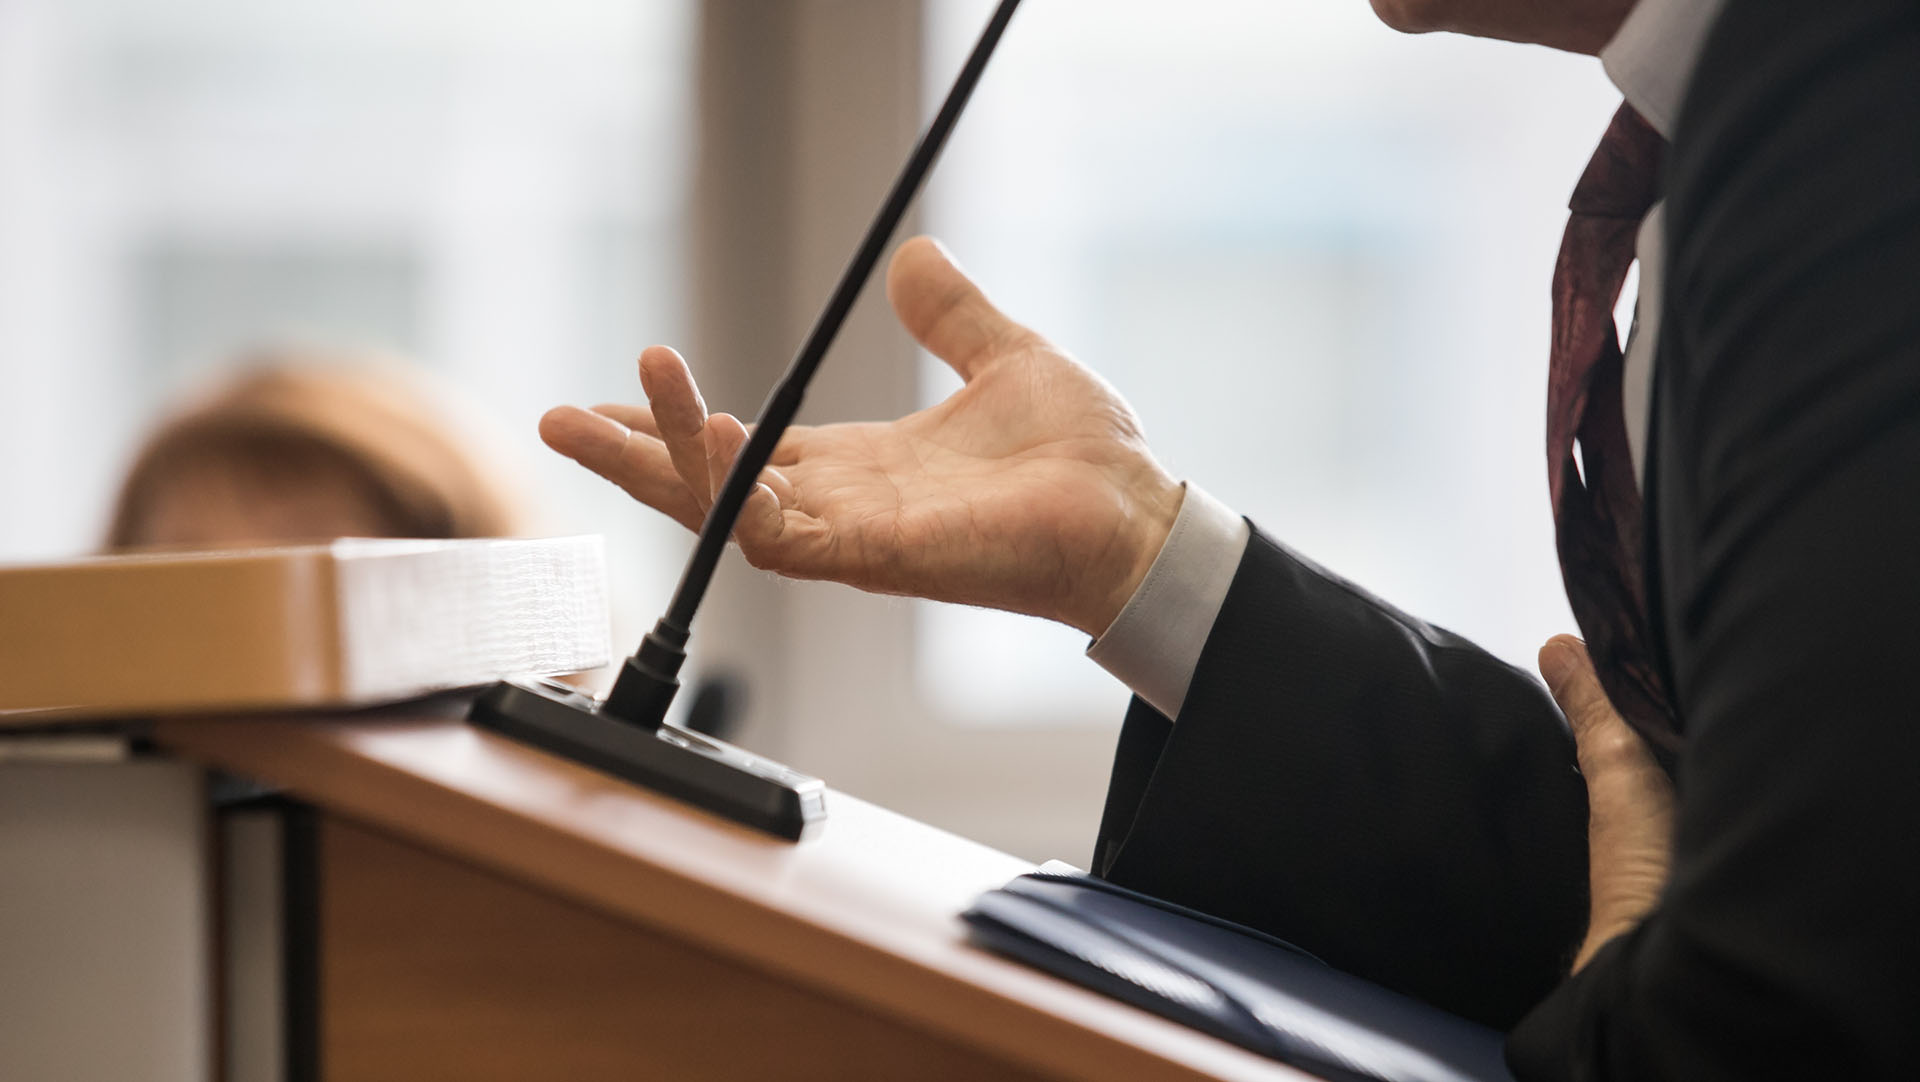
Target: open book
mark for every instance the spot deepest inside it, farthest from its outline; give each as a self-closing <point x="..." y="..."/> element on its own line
<point x="347" y="623"/>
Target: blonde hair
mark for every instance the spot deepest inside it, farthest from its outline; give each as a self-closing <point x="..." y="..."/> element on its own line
<point x="288" y="415"/>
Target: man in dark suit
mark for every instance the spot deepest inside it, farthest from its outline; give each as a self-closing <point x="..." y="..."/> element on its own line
<point x="1741" y="543"/>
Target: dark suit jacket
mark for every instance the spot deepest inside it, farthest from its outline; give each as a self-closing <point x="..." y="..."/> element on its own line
<point x="1377" y="790"/>
<point x="1405" y="805"/>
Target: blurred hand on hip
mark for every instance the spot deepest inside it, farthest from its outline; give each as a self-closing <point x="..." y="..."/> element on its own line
<point x="1629" y="799"/>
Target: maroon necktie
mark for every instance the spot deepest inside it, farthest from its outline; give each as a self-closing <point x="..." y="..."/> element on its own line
<point x="1596" y="510"/>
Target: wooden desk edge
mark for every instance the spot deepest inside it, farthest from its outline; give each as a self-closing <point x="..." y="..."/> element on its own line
<point x="945" y="987"/>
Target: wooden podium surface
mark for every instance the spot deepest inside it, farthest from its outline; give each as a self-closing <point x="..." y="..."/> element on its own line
<point x="479" y="886"/>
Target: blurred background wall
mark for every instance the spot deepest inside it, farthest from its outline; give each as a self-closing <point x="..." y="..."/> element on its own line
<point x="1312" y="252"/>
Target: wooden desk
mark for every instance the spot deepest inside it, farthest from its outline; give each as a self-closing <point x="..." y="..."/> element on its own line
<point x="488" y="911"/>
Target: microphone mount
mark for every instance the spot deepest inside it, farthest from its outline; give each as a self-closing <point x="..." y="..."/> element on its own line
<point x="626" y="735"/>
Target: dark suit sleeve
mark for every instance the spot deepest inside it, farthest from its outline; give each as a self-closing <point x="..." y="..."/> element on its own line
<point x="1787" y="496"/>
<point x="1379" y="791"/>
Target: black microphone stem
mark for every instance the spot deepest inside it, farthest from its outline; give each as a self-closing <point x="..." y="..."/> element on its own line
<point x="647" y="681"/>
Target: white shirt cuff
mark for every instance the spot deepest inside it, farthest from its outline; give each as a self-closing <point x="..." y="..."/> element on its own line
<point x="1154" y="644"/>
<point x="1652" y="56"/>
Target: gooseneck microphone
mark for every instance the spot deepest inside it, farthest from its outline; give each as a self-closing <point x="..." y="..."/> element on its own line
<point x="626" y="735"/>
<point x="647" y="682"/>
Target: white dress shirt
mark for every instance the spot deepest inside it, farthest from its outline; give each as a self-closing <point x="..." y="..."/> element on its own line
<point x="1155" y="642"/>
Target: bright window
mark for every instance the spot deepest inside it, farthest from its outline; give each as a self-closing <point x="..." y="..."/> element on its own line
<point x="497" y="190"/>
<point x="1314" y="254"/>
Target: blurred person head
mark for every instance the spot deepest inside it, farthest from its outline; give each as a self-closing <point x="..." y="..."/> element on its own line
<point x="311" y="446"/>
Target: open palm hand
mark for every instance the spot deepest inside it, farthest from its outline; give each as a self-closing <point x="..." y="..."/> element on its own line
<point x="1029" y="489"/>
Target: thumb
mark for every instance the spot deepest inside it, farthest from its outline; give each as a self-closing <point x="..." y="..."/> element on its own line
<point x="1569" y="674"/>
<point x="1611" y="754"/>
<point x="1629" y="800"/>
<point x="944" y="311"/>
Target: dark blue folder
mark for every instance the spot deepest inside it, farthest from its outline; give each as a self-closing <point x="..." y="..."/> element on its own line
<point x="1231" y="981"/>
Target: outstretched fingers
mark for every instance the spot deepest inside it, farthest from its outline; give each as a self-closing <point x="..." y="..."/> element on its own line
<point x="632" y="459"/>
<point x="679" y="415"/>
<point x="640" y="419"/>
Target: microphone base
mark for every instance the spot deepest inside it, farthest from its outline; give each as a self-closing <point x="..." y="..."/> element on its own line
<point x="730" y="782"/>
